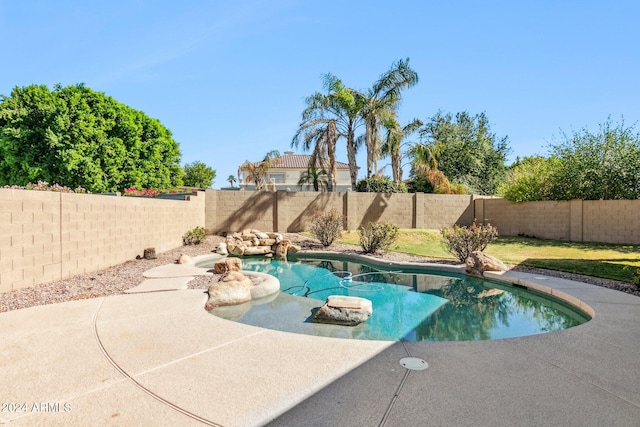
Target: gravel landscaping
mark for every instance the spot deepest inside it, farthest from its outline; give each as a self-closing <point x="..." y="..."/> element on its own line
<point x="115" y="280"/>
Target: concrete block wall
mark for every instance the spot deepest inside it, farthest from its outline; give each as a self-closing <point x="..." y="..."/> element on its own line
<point x="29" y="238"/>
<point x="295" y="210"/>
<point x="237" y="210"/>
<point x="47" y="236"/>
<point x="445" y="210"/>
<point x="611" y="221"/>
<point x="363" y="208"/>
<point x="292" y="211"/>
<point x="545" y="220"/>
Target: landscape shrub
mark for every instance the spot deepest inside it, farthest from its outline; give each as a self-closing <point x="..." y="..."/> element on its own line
<point x="380" y="184"/>
<point x="636" y="278"/>
<point x="327" y="227"/>
<point x="461" y="241"/>
<point x="150" y="192"/>
<point x="44" y="186"/>
<point x="375" y="236"/>
<point x="194" y="236"/>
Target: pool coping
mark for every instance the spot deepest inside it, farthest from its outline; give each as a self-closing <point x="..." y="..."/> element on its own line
<point x="159" y="358"/>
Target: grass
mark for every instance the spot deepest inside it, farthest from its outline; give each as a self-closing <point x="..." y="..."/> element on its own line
<point x="609" y="261"/>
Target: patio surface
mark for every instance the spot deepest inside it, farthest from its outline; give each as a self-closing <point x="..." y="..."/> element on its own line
<point x="158" y="358"/>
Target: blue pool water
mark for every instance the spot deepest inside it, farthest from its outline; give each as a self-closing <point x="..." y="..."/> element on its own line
<point x="406" y="306"/>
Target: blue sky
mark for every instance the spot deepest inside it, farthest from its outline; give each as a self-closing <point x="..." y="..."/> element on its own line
<point x="229" y="78"/>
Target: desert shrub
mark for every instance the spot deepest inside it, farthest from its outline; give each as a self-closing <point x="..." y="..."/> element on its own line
<point x="194" y="236"/>
<point x="327" y="227"/>
<point x="375" y="236"/>
<point x="461" y="241"/>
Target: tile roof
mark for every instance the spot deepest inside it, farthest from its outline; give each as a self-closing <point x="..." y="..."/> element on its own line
<point x="299" y="161"/>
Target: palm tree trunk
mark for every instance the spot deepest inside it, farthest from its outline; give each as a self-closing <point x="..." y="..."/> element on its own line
<point x="396" y="167"/>
<point x="370" y="141"/>
<point x="351" y="156"/>
<point x="332" y="138"/>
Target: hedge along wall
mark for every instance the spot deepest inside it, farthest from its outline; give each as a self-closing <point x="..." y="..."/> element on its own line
<point x="46" y="236"/>
<point x="293" y="211"/>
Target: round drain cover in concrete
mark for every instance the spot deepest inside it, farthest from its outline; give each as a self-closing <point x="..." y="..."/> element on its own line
<point x="414" y="363"/>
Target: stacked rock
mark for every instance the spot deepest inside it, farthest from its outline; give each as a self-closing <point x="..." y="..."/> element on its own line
<point x="256" y="242"/>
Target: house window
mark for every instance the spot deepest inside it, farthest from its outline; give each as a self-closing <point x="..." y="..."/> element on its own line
<point x="278" y="178"/>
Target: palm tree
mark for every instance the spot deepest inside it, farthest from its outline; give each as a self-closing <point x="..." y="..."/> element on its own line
<point x="322" y="135"/>
<point x="315" y="177"/>
<point x="231" y="179"/>
<point x="381" y="102"/>
<point x="257" y="171"/>
<point x="392" y="145"/>
<point x="425" y="157"/>
<point x="336" y="113"/>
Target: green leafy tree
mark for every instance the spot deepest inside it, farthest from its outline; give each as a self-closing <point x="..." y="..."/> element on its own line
<point x="530" y="179"/>
<point x="199" y="175"/>
<point x="231" y="179"/>
<point x="75" y="136"/>
<point x="601" y="165"/>
<point x="466" y="151"/>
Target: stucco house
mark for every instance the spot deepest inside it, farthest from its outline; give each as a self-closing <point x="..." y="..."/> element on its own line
<point x="286" y="172"/>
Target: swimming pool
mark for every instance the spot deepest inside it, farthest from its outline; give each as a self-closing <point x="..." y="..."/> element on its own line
<point x="407" y="305"/>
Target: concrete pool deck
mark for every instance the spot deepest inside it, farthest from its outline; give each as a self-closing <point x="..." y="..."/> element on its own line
<point x="157" y="358"/>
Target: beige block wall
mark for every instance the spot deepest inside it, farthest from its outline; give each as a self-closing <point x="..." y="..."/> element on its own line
<point x="46" y="236"/>
<point x="292" y="211"/>
<point x="363" y="208"/>
<point x="611" y="221"/>
<point x="445" y="210"/>
<point x="295" y="210"/>
<point x="238" y="210"/>
<point x="545" y="220"/>
<point x="29" y="238"/>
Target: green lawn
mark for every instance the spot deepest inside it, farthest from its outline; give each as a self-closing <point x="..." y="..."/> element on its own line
<point x="593" y="259"/>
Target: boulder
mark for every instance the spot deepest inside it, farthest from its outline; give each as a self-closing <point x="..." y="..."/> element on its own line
<point x="293" y="249"/>
<point x="233" y="289"/>
<point x="257" y="250"/>
<point x="150" y="253"/>
<point x="282" y="249"/>
<point x="277" y="236"/>
<point x="260" y="234"/>
<point x="184" y="259"/>
<point x="343" y="310"/>
<point x="478" y="262"/>
<point x="222" y="249"/>
<point x="237" y="250"/>
<point x="267" y="242"/>
<point x="246" y="235"/>
<point x="228" y="264"/>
